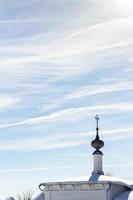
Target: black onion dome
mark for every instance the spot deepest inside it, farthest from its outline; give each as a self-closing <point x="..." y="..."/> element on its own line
<point x="97" y="143"/>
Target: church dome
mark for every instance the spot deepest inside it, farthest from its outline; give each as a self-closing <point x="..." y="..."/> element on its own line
<point x="97" y="143"/>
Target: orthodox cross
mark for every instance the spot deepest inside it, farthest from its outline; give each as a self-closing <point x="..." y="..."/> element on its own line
<point x="97" y="121"/>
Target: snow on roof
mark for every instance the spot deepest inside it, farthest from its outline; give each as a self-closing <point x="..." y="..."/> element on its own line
<point x="112" y="179"/>
<point x="96" y="179"/>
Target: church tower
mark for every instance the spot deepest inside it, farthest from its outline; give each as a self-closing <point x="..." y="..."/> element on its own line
<point x="97" y="187"/>
<point x="97" y="144"/>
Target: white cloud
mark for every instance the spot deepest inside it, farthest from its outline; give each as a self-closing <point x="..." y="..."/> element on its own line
<point x="36" y="144"/>
<point x="73" y="114"/>
<point x="92" y="39"/>
<point x="8" y="102"/>
<point x="91" y="90"/>
<point x="65" y="140"/>
<point x="59" y="52"/>
<point x="100" y="89"/>
<point x="44" y="58"/>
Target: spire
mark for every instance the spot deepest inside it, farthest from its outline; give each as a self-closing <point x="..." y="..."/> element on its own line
<point x="97" y="127"/>
<point x="97" y="143"/>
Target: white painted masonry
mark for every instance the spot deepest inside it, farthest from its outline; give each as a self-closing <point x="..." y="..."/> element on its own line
<point x="83" y="190"/>
<point x="97" y="163"/>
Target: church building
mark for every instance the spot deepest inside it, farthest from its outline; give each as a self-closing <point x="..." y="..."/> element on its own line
<point x="97" y="187"/>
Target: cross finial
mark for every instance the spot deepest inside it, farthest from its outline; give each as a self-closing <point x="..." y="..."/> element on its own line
<point x="97" y="120"/>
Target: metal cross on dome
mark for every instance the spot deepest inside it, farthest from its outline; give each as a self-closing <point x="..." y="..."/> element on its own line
<point x="97" y="120"/>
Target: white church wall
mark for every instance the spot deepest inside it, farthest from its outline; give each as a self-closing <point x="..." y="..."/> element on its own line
<point x="76" y="191"/>
<point x="77" y="195"/>
<point x="82" y="191"/>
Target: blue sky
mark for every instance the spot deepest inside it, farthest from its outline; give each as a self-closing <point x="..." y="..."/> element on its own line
<point x="61" y="63"/>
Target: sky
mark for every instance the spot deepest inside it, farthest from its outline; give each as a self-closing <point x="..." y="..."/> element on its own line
<point x="61" y="63"/>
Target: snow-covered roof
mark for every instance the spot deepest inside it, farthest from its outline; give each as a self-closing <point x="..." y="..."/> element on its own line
<point x="112" y="179"/>
<point x="95" y="179"/>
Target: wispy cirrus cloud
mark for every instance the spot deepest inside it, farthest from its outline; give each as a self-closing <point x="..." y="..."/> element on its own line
<point x="39" y="169"/>
<point x="55" y="66"/>
<point x="72" y="114"/>
<point x="58" y="51"/>
<point x="88" y="91"/>
<point x="38" y="144"/>
<point x="101" y="89"/>
<point x="64" y="140"/>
